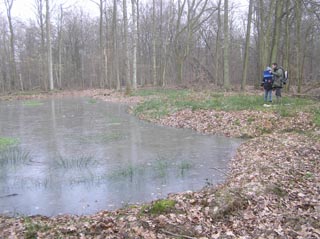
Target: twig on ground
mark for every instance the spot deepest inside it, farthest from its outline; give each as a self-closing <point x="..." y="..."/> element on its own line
<point x="176" y="235"/>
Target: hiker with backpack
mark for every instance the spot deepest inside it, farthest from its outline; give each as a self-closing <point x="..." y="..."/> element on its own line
<point x="267" y="84"/>
<point x="278" y="80"/>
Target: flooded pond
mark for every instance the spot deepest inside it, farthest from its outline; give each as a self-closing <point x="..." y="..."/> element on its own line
<point x="79" y="156"/>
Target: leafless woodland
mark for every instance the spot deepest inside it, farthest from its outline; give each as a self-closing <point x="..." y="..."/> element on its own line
<point x="160" y="43"/>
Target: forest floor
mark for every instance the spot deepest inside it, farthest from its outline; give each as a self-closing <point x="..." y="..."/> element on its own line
<point x="272" y="189"/>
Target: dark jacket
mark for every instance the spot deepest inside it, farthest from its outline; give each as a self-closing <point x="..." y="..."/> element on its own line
<point x="277" y="77"/>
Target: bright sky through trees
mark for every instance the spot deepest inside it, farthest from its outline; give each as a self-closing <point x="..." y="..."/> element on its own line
<point x="25" y="9"/>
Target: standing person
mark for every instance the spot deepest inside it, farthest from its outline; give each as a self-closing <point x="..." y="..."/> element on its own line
<point x="277" y="77"/>
<point x="267" y="84"/>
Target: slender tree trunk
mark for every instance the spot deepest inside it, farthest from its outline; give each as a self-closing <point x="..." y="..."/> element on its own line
<point x="49" y="48"/>
<point x="265" y="26"/>
<point x="161" y="60"/>
<point x="105" y="61"/>
<point x="134" y="47"/>
<point x="217" y="49"/>
<point x="59" y="78"/>
<point x="277" y="27"/>
<point x="298" y="44"/>
<point x="13" y="67"/>
<point x="154" y="41"/>
<point x="246" y="52"/>
<point x="43" y="62"/>
<point x="287" y="42"/>
<point x="115" y="46"/>
<point x="226" y="80"/>
<point x="139" y="52"/>
<point x="126" y="47"/>
<point x="102" y="76"/>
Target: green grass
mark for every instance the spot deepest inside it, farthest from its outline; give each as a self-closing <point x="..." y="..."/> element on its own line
<point x="32" y="228"/>
<point x="167" y="102"/>
<point x="160" y="92"/>
<point x="7" y="142"/>
<point x="316" y="117"/>
<point x="159" y="207"/>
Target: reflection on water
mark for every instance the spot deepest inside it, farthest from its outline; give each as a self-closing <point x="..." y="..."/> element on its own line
<point x="85" y="156"/>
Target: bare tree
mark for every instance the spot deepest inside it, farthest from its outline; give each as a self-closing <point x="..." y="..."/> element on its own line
<point x="298" y="5"/>
<point x="185" y="32"/>
<point x="126" y="47"/>
<point x="246" y="52"/>
<point x="134" y="44"/>
<point x="42" y="54"/>
<point x="154" y="43"/>
<point x="217" y="48"/>
<point x="13" y="67"/>
<point x="59" y="28"/>
<point x="115" y="46"/>
<point x="276" y="31"/>
<point x="49" y="45"/>
<point x="226" y="42"/>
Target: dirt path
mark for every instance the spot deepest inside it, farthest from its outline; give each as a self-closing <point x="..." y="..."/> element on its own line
<point x="272" y="190"/>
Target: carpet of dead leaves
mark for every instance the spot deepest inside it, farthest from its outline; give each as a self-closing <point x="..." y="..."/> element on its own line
<point x="272" y="189"/>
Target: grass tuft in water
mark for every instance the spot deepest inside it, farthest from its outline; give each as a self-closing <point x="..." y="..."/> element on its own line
<point x="32" y="103"/>
<point x="13" y="156"/>
<point x="7" y="142"/>
<point x="92" y="101"/>
<point x="102" y="138"/>
<point x="161" y="167"/>
<point x="79" y="162"/>
<point x="127" y="172"/>
<point x="184" y="166"/>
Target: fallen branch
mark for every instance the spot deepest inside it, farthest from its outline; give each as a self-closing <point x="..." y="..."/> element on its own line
<point x="176" y="235"/>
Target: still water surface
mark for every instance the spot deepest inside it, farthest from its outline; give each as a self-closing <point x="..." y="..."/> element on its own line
<point x="78" y="156"/>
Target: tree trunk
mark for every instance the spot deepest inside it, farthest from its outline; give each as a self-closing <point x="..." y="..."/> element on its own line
<point x="265" y="24"/>
<point x="246" y="52"/>
<point x="12" y="62"/>
<point x="226" y="80"/>
<point x="42" y="56"/>
<point x="217" y="48"/>
<point x="298" y="44"/>
<point x="49" y="48"/>
<point x="277" y="27"/>
<point x="287" y="42"/>
<point x="134" y="47"/>
<point x="59" y="77"/>
<point x="126" y="47"/>
<point x="101" y="73"/>
<point x="115" y="47"/>
<point x="154" y="41"/>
